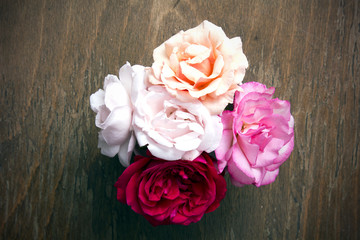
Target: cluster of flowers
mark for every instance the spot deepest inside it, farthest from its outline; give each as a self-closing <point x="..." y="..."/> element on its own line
<point x="175" y="109"/>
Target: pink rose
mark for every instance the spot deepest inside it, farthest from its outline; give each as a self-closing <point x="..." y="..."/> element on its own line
<point x="171" y="192"/>
<point x="113" y="107"/>
<point x="258" y="136"/>
<point x="201" y="63"/>
<point x="172" y="129"/>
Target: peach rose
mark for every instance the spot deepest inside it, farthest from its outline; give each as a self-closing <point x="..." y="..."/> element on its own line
<point x="201" y="63"/>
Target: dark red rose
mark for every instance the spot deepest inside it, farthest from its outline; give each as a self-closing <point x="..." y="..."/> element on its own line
<point x="171" y="192"/>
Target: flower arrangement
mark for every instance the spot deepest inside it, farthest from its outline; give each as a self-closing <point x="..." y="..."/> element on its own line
<point x="164" y="121"/>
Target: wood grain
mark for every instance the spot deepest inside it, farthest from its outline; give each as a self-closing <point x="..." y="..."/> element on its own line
<point x="54" y="183"/>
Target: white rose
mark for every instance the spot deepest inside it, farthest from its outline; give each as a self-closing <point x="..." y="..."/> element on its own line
<point x="114" y="108"/>
<point x="173" y="129"/>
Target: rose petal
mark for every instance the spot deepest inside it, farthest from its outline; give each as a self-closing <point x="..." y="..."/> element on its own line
<point x="106" y="149"/>
<point x="126" y="150"/>
<point x="250" y="150"/>
<point x="268" y="178"/>
<point x="116" y="96"/>
<point x="190" y="72"/>
<point x="164" y="152"/>
<point x="213" y="132"/>
<point x="223" y="149"/>
<point x="125" y="76"/>
<point x="97" y="100"/>
<point x="187" y="142"/>
<point x="198" y="53"/>
<point x="239" y="168"/>
<point x="116" y="128"/>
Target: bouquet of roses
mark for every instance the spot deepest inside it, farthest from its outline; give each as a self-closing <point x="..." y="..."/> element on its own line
<point x="163" y="121"/>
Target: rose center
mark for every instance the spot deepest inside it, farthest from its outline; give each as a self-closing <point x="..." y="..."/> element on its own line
<point x="170" y="112"/>
<point x="248" y="126"/>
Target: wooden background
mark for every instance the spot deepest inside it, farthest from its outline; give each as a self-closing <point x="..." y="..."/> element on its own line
<point x="55" y="184"/>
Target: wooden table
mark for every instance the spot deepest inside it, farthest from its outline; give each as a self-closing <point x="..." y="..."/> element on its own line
<point x="55" y="184"/>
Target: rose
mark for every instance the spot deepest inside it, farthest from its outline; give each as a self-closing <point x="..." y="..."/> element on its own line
<point x="201" y="63"/>
<point x="173" y="129"/>
<point x="171" y="192"/>
<point x="258" y="136"/>
<point x="113" y="108"/>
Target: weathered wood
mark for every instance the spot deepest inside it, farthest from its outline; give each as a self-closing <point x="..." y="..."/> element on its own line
<point x="54" y="184"/>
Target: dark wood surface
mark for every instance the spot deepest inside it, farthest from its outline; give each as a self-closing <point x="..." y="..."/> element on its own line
<point x="55" y="184"/>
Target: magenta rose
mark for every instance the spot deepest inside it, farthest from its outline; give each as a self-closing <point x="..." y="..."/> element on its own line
<point x="258" y="136"/>
<point x="171" y="192"/>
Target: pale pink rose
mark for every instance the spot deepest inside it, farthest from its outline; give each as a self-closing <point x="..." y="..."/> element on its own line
<point x="201" y="63"/>
<point x="113" y="107"/>
<point x="172" y="129"/>
<point x="258" y="136"/>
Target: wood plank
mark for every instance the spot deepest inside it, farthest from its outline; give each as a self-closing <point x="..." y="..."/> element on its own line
<point x="54" y="183"/>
